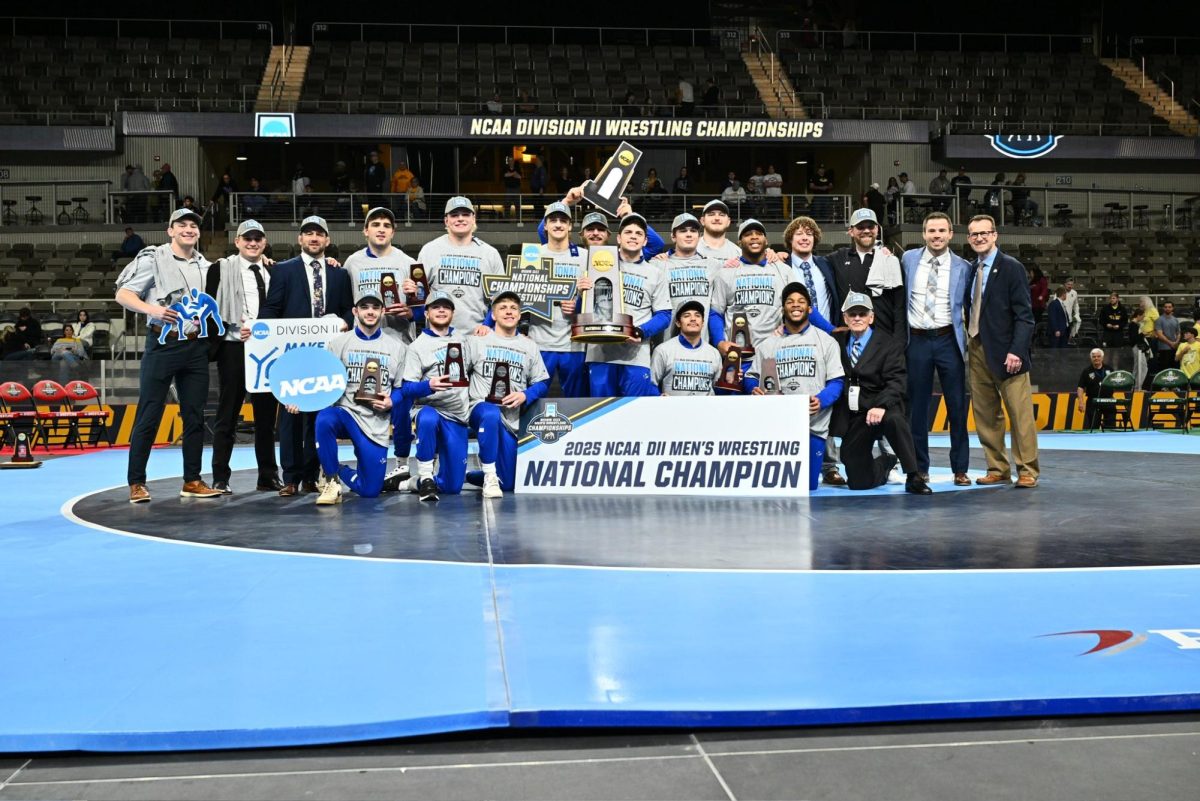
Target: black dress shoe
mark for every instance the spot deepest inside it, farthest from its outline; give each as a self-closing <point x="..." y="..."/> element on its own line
<point x="916" y="486"/>
<point x="834" y="479"/>
<point x="222" y="487"/>
<point x="287" y="490"/>
<point x="924" y="477"/>
<point x="427" y="488"/>
<point x="309" y="486"/>
<point x="272" y="484"/>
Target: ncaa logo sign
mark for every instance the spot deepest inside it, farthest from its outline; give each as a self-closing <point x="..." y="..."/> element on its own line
<point x="1023" y="146"/>
<point x="531" y="253"/>
<point x="260" y="330"/>
<point x="309" y="378"/>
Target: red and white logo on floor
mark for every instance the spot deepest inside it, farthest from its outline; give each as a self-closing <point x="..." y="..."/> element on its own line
<point x="667" y="446"/>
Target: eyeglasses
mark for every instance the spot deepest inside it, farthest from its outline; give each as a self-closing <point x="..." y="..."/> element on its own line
<point x="980" y="235"/>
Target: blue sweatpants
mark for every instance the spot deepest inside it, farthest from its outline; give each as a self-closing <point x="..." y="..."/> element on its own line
<point x="336" y="423"/>
<point x="816" y="458"/>
<point x="402" y="430"/>
<point x="497" y="445"/>
<point x="445" y="439"/>
<point x="570" y="371"/>
<point x="620" y="381"/>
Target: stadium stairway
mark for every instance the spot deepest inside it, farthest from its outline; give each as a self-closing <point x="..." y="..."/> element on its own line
<point x="283" y="78"/>
<point x="779" y="95"/>
<point x="1153" y="95"/>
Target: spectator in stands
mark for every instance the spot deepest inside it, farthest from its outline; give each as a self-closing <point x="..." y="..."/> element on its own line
<point x="630" y="106"/>
<point x="300" y="180"/>
<point x="525" y="104"/>
<point x="821" y="185"/>
<point x="1039" y="292"/>
<point x="874" y="200"/>
<point x="169" y="183"/>
<point x="254" y="202"/>
<point x="494" y="106"/>
<point x="85" y="330"/>
<point x="1143" y="343"/>
<point x="773" y="191"/>
<point x="565" y="181"/>
<point x="10" y="343"/>
<point x="401" y="178"/>
<point x="375" y="179"/>
<point x="131" y="245"/>
<point x="734" y="197"/>
<point x="1072" y="305"/>
<point x="682" y="183"/>
<point x="653" y="187"/>
<point x="134" y="204"/>
<point x="686" y="97"/>
<point x="538" y="179"/>
<point x="892" y="194"/>
<point x="1088" y="390"/>
<point x="416" y="199"/>
<point x="907" y="187"/>
<point x="223" y="196"/>
<point x="157" y="203"/>
<point x="189" y="203"/>
<point x="1113" y="320"/>
<point x="711" y="98"/>
<point x="1196" y="310"/>
<point x="1025" y="208"/>
<point x="29" y="335"/>
<point x="1058" y="330"/>
<point x="340" y="182"/>
<point x="307" y="205"/>
<point x="993" y="198"/>
<point x="1188" y="352"/>
<point x="940" y="186"/>
<point x="729" y="179"/>
<point x="754" y="190"/>
<point x="961" y="184"/>
<point x="1166" y="332"/>
<point x="68" y="351"/>
<point x="512" y="188"/>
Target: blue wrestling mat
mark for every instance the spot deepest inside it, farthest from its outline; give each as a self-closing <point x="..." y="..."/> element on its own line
<point x="259" y="621"/>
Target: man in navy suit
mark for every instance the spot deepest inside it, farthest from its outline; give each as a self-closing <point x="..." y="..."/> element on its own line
<point x="999" y="318"/>
<point x="306" y="286"/>
<point x="934" y="278"/>
<point x="1058" y="322"/>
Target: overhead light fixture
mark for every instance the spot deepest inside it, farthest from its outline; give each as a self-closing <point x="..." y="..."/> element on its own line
<point x="801" y="162"/>
<point x="242" y="157"/>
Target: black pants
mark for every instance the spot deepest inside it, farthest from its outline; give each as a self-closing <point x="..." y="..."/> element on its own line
<point x="863" y="470"/>
<point x="298" y="447"/>
<point x="231" y="369"/>
<point x="184" y="361"/>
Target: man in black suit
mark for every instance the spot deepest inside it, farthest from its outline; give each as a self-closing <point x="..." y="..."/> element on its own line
<point x="306" y="286"/>
<point x="873" y="403"/>
<point x="999" y="316"/>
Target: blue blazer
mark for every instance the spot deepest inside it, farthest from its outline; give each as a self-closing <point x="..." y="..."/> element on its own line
<point x="1058" y="317"/>
<point x="960" y="276"/>
<point x="288" y="295"/>
<point x="834" y="315"/>
<point x="1006" y="325"/>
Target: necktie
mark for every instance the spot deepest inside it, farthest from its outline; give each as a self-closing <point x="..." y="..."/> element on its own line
<point x="976" y="301"/>
<point x="931" y="291"/>
<point x="855" y="351"/>
<point x="258" y="283"/>
<point x="808" y="283"/>
<point x="318" y="293"/>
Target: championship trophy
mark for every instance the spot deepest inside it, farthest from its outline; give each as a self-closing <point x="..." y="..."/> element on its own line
<point x="769" y="380"/>
<point x="606" y="190"/>
<point x="454" y="367"/>
<point x="389" y="291"/>
<point x="731" y="372"/>
<point x="740" y="332"/>
<point x="417" y="274"/>
<point x="22" y="456"/>
<point x="369" y="386"/>
<point x="602" y="318"/>
<point x="501" y="383"/>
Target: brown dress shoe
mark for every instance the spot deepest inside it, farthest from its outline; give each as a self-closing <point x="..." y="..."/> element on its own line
<point x="198" y="489"/>
<point x="1027" y="482"/>
<point x="287" y="490"/>
<point x="834" y="479"/>
<point x="993" y="478"/>
<point x="271" y="484"/>
<point x="138" y="493"/>
<point x="962" y="480"/>
<point x="310" y="486"/>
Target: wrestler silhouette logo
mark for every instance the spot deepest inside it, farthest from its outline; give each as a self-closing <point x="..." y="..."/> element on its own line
<point x="197" y="308"/>
<point x="602" y="299"/>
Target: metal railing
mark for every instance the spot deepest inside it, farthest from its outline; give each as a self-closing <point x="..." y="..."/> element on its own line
<point x="132" y="208"/>
<point x="1056" y="207"/>
<point x="522" y="34"/>
<point x="526" y="108"/>
<point x="45" y="210"/>
<point x="208" y="104"/>
<point x="56" y="117"/>
<point x="1165" y="45"/>
<point x="931" y="113"/>
<point x="936" y="41"/>
<point x="1076" y="128"/>
<point x="88" y="26"/>
<point x="517" y="208"/>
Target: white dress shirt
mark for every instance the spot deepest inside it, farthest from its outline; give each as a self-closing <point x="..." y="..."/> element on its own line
<point x="250" y="288"/>
<point x="823" y="299"/>
<point x="917" y="317"/>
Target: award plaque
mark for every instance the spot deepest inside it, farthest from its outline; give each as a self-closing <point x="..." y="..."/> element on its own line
<point x="739" y="332"/>
<point x="606" y="190"/>
<point x="454" y="368"/>
<point x="389" y="290"/>
<point x="769" y="380"/>
<point x="602" y="318"/>
<point x="731" y="371"/>
<point x="419" y="277"/>
<point x="370" y="385"/>
<point x="501" y="383"/>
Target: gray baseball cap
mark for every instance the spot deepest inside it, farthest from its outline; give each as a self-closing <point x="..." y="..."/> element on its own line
<point x="186" y="214"/>
<point x="684" y="219"/>
<point x="750" y="225"/>
<point x="439" y="297"/>
<point x="557" y="207"/>
<point x="715" y="205"/>
<point x="315" y="220"/>
<point x="250" y="225"/>
<point x="595" y="218"/>
<point x="458" y="203"/>
<point x="633" y="218"/>
<point x="857" y="300"/>
<point x="380" y="211"/>
<point x="863" y="215"/>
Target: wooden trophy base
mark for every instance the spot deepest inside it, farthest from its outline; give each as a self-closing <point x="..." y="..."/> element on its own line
<point x="587" y="328"/>
<point x="20" y="465"/>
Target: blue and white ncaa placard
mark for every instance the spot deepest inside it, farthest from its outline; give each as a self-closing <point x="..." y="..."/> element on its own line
<point x="310" y="379"/>
<point x="735" y="446"/>
<point x="270" y="339"/>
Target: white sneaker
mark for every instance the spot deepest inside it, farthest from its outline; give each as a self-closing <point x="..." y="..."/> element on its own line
<point x="491" y="486"/>
<point x="411" y="486"/>
<point x="395" y="478"/>
<point x="331" y="493"/>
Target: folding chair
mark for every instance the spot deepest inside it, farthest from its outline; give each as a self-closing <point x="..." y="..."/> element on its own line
<point x="1169" y="399"/>
<point x="1113" y="403"/>
<point x="54" y="411"/>
<point x="1194" y="401"/>
<point x="17" y="408"/>
<point x="83" y="394"/>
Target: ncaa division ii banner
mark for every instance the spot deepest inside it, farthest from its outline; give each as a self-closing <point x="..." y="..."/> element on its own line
<point x="665" y="446"/>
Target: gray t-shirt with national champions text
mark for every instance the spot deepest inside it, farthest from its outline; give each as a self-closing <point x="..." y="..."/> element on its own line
<point x="805" y="362"/>
<point x="692" y="278"/>
<point x="756" y="289"/>
<point x="426" y="360"/>
<point x="730" y="250"/>
<point x="458" y="270"/>
<point x="679" y="369"/>
<point x="355" y="352"/>
<point x="366" y="275"/>
<point x="555" y="336"/>
<point x="525" y="368"/>
<point x="644" y="292"/>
